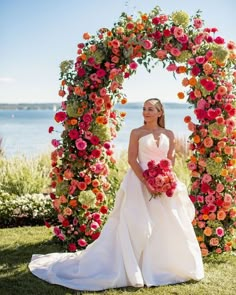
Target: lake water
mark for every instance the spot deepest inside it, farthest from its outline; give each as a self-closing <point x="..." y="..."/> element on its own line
<point x="26" y="131"/>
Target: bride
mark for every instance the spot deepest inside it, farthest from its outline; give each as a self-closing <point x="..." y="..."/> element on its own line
<point x="144" y="242"/>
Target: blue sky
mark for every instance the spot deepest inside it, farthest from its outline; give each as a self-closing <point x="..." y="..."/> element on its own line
<point x="35" y="36"/>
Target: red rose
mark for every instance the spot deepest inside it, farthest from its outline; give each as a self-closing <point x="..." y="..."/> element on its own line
<point x="72" y="247"/>
<point x="104" y="209"/>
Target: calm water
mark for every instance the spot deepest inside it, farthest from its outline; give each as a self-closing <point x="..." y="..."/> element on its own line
<point x="26" y="131"/>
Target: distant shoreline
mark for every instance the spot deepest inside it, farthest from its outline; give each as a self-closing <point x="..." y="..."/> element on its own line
<point x="56" y="106"/>
<point x="29" y="106"/>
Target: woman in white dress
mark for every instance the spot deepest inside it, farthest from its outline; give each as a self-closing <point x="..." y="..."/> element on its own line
<point x="144" y="242"/>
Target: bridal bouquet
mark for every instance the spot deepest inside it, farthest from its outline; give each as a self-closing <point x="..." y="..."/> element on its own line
<point x="160" y="178"/>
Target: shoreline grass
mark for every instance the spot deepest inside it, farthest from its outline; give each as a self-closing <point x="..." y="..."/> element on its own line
<point x="18" y="244"/>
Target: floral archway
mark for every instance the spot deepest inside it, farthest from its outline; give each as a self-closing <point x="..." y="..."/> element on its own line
<point x="91" y="86"/>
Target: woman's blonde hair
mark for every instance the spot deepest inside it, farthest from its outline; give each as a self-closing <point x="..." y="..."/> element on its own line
<point x="158" y="105"/>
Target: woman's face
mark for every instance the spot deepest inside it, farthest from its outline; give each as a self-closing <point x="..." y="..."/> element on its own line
<point x="150" y="112"/>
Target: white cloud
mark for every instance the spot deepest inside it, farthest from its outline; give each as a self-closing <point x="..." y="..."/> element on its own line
<point x="6" y="80"/>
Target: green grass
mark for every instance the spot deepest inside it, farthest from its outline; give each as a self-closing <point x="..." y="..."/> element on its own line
<point x="18" y="244"/>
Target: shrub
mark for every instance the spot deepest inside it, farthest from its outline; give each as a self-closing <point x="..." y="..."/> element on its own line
<point x="25" y="210"/>
<point x="20" y="175"/>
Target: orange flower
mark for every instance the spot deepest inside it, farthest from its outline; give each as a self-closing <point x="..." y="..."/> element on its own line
<point x="228" y="150"/>
<point x="61" y="93"/>
<point x="222" y="90"/>
<point x="100" y="120"/>
<point x="95" y="183"/>
<point x="73" y="121"/>
<point x="192" y="81"/>
<point x="67" y="211"/>
<point x="212" y="216"/>
<point x="83" y="56"/>
<point x="181" y="69"/>
<point x="207" y="68"/>
<point x="124" y="100"/>
<point x="86" y="36"/>
<point x="214" y="241"/>
<point x="221" y="215"/>
<point x="77" y="90"/>
<point x="205" y="217"/>
<point x="73" y="203"/>
<point x="80" y="111"/>
<point x="200" y="238"/>
<point x="63" y="82"/>
<point x="202" y="150"/>
<point x="68" y="174"/>
<point x="195" y="174"/>
<point x="218" y="159"/>
<point x="144" y="17"/>
<point x="180" y="95"/>
<point x="95" y="190"/>
<point x="196" y="138"/>
<point x="187" y="119"/>
<point x="122" y="114"/>
<point x="204" y="252"/>
<point x="193" y="159"/>
<point x="140" y="27"/>
<point x="208" y="142"/>
<point x="208" y="231"/>
<point x="224" y="172"/>
<point x="185" y="82"/>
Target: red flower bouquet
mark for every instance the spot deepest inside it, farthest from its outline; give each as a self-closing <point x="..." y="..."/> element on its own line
<point x="160" y="178"/>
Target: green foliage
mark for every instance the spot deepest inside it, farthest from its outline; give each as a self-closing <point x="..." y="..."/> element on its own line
<point x="20" y="175"/>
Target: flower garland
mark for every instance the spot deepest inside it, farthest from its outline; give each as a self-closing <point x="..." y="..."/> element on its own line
<point x="92" y="85"/>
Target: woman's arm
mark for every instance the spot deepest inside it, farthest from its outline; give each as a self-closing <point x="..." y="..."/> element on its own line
<point x="133" y="155"/>
<point x="171" y="152"/>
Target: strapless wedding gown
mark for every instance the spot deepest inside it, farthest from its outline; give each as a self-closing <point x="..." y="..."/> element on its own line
<point x="142" y="243"/>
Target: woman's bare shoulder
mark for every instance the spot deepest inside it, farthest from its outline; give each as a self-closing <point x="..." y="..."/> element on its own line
<point x="169" y="133"/>
<point x="137" y="132"/>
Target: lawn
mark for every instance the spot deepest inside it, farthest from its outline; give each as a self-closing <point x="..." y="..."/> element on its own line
<point x="18" y="244"/>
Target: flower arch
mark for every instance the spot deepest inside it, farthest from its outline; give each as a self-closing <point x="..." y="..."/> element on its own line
<point x="92" y="85"/>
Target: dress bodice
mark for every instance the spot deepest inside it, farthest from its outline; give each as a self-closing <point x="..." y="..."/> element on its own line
<point x="149" y="150"/>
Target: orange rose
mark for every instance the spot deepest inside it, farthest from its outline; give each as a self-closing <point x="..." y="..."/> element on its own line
<point x="196" y="139"/>
<point x="204" y="252"/>
<point x="214" y="241"/>
<point x="208" y="142"/>
<point x="192" y="81"/>
<point x="187" y="119"/>
<point x="86" y="36"/>
<point x="73" y="203"/>
<point x="221" y="215"/>
<point x="180" y="95"/>
<point x="207" y="231"/>
<point x="124" y="100"/>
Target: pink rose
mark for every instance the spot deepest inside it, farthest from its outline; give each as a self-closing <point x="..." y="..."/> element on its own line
<point x="161" y="54"/>
<point x="55" y="142"/>
<point x="219" y="40"/>
<point x="220" y="231"/>
<point x="175" y="51"/>
<point x="80" y="144"/>
<point x="82" y="243"/>
<point x="147" y="44"/>
<point x="171" y="67"/>
<point x="73" y="134"/>
<point x="183" y="39"/>
<point x="200" y="59"/>
<point x="94" y="225"/>
<point x="133" y="65"/>
<point x="197" y="22"/>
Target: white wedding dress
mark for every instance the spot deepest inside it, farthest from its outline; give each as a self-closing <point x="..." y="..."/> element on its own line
<point x="143" y="242"/>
